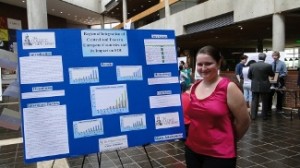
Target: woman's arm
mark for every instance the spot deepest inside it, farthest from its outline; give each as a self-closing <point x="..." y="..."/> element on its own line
<point x="238" y="107"/>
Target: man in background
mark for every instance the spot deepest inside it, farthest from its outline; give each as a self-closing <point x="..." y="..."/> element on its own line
<point x="259" y="73"/>
<point x="239" y="70"/>
<point x="279" y="67"/>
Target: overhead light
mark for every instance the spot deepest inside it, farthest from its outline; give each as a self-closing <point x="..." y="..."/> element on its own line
<point x="61" y="12"/>
<point x="23" y="1"/>
<point x="291" y="59"/>
<point x="285" y="59"/>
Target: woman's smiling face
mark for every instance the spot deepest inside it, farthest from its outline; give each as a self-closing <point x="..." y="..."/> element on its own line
<point x="207" y="67"/>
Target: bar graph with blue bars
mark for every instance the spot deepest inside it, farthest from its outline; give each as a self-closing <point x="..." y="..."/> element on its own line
<point x="109" y="99"/>
<point x="88" y="128"/>
<point x="133" y="122"/>
<point x="129" y="73"/>
<point x="81" y="75"/>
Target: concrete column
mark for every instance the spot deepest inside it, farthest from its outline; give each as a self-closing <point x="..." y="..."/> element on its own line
<point x="37" y="14"/>
<point x="167" y="13"/>
<point x="124" y="11"/>
<point x="278" y="32"/>
<point x="102" y="21"/>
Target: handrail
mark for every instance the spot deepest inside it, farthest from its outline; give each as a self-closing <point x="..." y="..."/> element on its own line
<point x="9" y="103"/>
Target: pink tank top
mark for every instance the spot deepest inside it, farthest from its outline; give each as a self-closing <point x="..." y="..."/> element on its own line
<point x="211" y="129"/>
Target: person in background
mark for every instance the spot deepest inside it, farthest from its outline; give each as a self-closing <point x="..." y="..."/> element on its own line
<point x="182" y="62"/>
<point x="185" y="99"/>
<point x="278" y="66"/>
<point x="188" y="72"/>
<point x="182" y="77"/>
<point x="259" y="73"/>
<point x="218" y="115"/>
<point x="247" y="83"/>
<point x="239" y="69"/>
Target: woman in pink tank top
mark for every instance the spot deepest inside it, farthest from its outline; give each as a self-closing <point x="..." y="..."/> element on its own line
<point x="218" y="114"/>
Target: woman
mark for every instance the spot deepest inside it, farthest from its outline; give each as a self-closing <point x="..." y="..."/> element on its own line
<point x="218" y="114"/>
<point x="247" y="83"/>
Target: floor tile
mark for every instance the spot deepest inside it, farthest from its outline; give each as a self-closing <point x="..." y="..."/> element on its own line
<point x="274" y="143"/>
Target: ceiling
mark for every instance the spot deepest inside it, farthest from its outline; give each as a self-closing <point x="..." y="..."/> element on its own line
<point x="67" y="11"/>
<point x="134" y="7"/>
<point x="245" y="34"/>
<point x="78" y="14"/>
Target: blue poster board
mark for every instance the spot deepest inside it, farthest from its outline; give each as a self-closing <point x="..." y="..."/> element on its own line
<point x="89" y="91"/>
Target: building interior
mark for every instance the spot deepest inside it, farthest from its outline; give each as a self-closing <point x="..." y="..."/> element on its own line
<point x="272" y="143"/>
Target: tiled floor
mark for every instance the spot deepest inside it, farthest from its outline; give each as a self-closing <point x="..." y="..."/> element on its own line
<point x="274" y="143"/>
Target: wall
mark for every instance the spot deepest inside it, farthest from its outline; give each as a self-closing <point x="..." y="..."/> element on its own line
<point x="196" y="13"/>
<point x="242" y="9"/>
<point x="248" y="9"/>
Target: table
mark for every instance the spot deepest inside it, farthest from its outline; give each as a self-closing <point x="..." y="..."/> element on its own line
<point x="294" y="93"/>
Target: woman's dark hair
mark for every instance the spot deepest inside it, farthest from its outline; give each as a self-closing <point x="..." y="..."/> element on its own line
<point x="250" y="62"/>
<point x="212" y="51"/>
<point x="180" y="67"/>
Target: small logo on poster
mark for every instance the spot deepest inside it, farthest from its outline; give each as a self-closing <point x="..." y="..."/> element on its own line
<point x="167" y="120"/>
<point x="38" y="40"/>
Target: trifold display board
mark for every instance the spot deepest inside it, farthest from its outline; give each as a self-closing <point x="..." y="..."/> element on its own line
<point x="90" y="91"/>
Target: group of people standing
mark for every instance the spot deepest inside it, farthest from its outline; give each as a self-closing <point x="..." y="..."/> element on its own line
<point x="254" y="78"/>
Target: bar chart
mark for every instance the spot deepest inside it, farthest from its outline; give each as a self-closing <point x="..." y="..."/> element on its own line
<point x="82" y="75"/>
<point x="133" y="122"/>
<point x="87" y="128"/>
<point x="129" y="73"/>
<point x="109" y="99"/>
